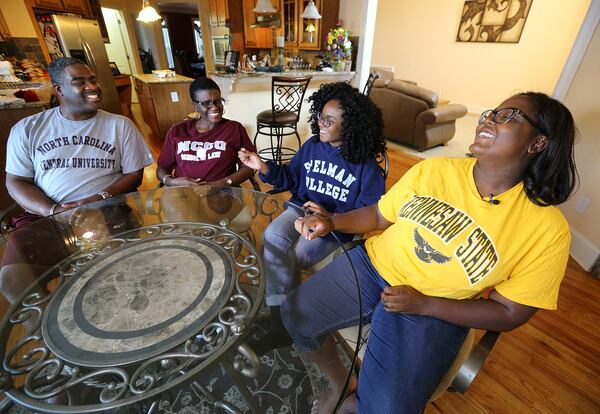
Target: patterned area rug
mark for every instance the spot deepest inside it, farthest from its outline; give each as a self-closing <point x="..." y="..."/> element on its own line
<point x="287" y="383"/>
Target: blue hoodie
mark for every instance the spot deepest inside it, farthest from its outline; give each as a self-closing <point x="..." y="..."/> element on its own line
<point x="318" y="173"/>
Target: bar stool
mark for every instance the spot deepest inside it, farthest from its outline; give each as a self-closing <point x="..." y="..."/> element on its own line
<point x="287" y="94"/>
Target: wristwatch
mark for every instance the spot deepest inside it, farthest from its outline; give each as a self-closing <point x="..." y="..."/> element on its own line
<point x="104" y="195"/>
<point x="228" y="181"/>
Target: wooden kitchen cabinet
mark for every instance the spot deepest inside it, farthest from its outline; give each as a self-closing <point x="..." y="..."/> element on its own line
<point x="164" y="102"/>
<point x="4" y="32"/>
<point x="219" y="12"/>
<point x="297" y="31"/>
<point x="76" y="6"/>
<point x="71" y="6"/>
<point x="293" y="26"/>
<point x="147" y="105"/>
<point x="47" y="4"/>
<point x="255" y="37"/>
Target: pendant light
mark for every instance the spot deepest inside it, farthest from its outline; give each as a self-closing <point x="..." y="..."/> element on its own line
<point x="148" y="13"/>
<point x="264" y="6"/>
<point x="311" y="12"/>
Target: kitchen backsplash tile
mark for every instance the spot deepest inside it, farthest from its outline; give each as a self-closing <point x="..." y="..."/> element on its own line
<point x="23" y="48"/>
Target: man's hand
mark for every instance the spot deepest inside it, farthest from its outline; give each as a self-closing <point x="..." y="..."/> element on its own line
<point x="314" y="208"/>
<point x="404" y="299"/>
<point x="87" y="200"/>
<point x="312" y="227"/>
<point x="77" y="203"/>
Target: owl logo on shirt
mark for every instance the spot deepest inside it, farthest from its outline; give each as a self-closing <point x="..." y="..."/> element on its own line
<point x="426" y="253"/>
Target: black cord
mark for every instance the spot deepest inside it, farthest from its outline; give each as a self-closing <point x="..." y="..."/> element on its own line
<point x="358" y="342"/>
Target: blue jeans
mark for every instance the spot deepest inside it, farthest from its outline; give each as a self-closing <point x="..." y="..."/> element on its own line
<point x="286" y="252"/>
<point x="407" y="355"/>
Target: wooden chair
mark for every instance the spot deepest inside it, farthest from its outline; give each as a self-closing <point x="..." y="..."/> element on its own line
<point x="468" y="362"/>
<point x="461" y="374"/>
<point x="287" y="95"/>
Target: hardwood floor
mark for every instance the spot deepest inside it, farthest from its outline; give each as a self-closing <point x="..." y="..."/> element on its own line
<point x="549" y="365"/>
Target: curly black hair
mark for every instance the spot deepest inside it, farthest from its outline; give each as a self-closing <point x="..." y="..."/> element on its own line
<point x="551" y="175"/>
<point x="362" y="123"/>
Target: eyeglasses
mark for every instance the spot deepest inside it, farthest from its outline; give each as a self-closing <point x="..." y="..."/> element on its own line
<point x="207" y="104"/>
<point x="325" y="120"/>
<point x="502" y="116"/>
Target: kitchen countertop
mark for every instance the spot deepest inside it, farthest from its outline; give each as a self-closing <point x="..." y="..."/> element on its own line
<point x="267" y="75"/>
<point x="226" y="81"/>
<point x="44" y="92"/>
<point x="151" y="79"/>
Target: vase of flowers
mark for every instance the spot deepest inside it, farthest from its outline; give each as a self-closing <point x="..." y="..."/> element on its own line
<point x="339" y="48"/>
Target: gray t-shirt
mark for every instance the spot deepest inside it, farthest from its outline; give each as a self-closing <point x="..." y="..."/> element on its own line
<point x="70" y="160"/>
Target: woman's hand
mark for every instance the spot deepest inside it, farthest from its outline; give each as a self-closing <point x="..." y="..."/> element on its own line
<point x="183" y="182"/>
<point x="312" y="227"/>
<point x="314" y="208"/>
<point x="252" y="160"/>
<point x="403" y="299"/>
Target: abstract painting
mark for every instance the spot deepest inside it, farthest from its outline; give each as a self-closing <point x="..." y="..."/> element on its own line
<point x="493" y="20"/>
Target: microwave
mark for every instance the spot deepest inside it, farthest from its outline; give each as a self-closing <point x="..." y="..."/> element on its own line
<point x="220" y="46"/>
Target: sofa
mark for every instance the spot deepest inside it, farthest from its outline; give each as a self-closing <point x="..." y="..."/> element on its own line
<point x="411" y="114"/>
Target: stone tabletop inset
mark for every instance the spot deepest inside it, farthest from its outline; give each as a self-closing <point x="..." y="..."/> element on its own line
<point x="138" y="300"/>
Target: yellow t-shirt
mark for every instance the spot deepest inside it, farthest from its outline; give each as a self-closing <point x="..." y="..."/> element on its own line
<point x="447" y="241"/>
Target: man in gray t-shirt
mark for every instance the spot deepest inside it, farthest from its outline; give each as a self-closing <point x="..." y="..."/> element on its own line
<point x="76" y="153"/>
<point x="60" y="159"/>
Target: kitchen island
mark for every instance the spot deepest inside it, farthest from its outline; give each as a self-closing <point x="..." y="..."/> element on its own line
<point x="164" y="101"/>
<point x="248" y="93"/>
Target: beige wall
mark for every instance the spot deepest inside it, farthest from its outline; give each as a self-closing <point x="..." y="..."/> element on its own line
<point x="17" y="18"/>
<point x="418" y="38"/>
<point x="584" y="101"/>
<point x="351" y="16"/>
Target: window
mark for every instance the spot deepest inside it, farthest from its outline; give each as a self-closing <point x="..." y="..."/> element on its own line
<point x="168" y="50"/>
<point x="198" y="37"/>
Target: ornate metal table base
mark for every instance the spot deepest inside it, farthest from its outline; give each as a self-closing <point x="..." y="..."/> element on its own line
<point x="133" y="317"/>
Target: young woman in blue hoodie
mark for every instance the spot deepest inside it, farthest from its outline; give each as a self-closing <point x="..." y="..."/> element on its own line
<point x="332" y="173"/>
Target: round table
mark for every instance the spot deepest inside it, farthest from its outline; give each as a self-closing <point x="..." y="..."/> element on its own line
<point x="135" y="297"/>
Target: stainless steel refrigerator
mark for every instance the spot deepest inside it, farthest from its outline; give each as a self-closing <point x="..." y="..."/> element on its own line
<point x="81" y="39"/>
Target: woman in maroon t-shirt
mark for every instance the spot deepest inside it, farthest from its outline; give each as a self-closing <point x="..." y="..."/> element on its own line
<point x="204" y="150"/>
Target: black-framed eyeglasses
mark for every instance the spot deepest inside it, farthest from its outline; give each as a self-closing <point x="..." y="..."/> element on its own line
<point x="208" y="103"/>
<point x="325" y="120"/>
<point x="503" y="115"/>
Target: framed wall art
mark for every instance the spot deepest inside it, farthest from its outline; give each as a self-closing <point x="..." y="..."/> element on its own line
<point x="499" y="21"/>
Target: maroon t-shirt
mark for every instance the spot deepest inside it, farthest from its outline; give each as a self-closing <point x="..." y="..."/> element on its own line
<point x="209" y="155"/>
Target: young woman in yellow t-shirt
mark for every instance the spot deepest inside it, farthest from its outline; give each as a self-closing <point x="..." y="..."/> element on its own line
<point x="452" y="228"/>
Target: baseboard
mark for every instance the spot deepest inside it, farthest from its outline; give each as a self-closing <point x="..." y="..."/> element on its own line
<point x="583" y="251"/>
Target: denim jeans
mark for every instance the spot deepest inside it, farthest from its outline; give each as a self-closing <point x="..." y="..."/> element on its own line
<point x="286" y="252"/>
<point x="406" y="356"/>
